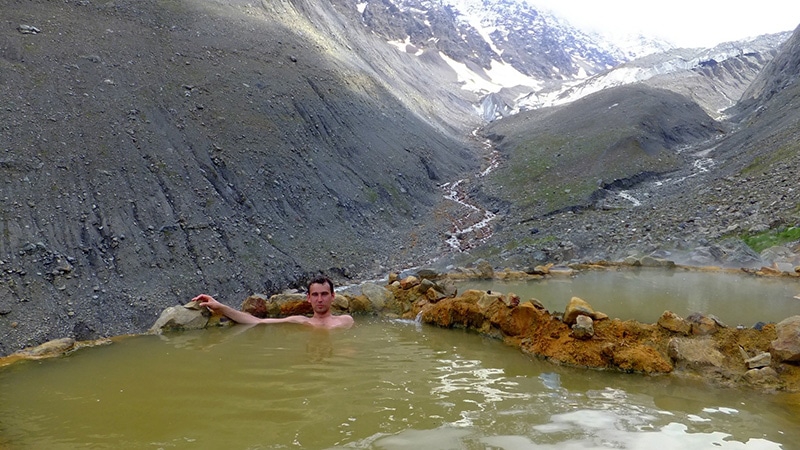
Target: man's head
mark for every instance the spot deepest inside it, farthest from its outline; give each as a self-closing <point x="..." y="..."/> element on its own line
<point x="320" y="294"/>
<point x="321" y="280"/>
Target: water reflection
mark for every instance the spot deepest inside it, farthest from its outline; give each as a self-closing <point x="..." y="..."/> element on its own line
<point x="379" y="385"/>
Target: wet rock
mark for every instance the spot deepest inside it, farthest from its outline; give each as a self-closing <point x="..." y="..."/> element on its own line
<point x="427" y="274"/>
<point x="576" y="307"/>
<point x="541" y="269"/>
<point x="484" y="299"/>
<point x="341" y="303"/>
<point x="424" y="285"/>
<point x="508" y="274"/>
<point x="180" y="318"/>
<point x="561" y="271"/>
<point x="583" y="328"/>
<point x="536" y="304"/>
<point x="56" y="347"/>
<point x="777" y="254"/>
<point x="786" y="346"/>
<point x="632" y="261"/>
<point x="705" y="256"/>
<point x="703" y="325"/>
<point x="432" y="295"/>
<point x="521" y="320"/>
<point x="378" y="296"/>
<point x="288" y="304"/>
<point x="737" y="253"/>
<point x="694" y="353"/>
<point x="650" y="261"/>
<point x="256" y="305"/>
<point x="783" y="267"/>
<point x="447" y="287"/>
<point x="460" y="312"/>
<point x="771" y="271"/>
<point x="763" y="377"/>
<point x="359" y="304"/>
<point x="485" y="269"/>
<point x="673" y="322"/>
<point x="409" y="282"/>
<point x="761" y="360"/>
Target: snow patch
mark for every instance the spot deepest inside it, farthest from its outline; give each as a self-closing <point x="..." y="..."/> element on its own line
<point x="627" y="196"/>
<point x="499" y="75"/>
<point x="406" y="46"/>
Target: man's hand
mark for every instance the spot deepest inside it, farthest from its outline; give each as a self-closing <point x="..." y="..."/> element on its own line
<point x="208" y="301"/>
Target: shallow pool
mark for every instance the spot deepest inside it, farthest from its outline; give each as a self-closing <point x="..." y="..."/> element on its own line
<point x="379" y="385"/>
<point x="644" y="294"/>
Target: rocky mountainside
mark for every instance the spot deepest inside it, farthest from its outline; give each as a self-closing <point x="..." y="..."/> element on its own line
<point x="485" y="34"/>
<point x="153" y="150"/>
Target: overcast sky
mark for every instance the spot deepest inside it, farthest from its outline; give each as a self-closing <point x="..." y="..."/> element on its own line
<point x="686" y="23"/>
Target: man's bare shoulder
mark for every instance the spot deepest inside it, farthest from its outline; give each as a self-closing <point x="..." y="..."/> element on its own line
<point x="331" y="322"/>
<point x="305" y="320"/>
<point x="345" y="320"/>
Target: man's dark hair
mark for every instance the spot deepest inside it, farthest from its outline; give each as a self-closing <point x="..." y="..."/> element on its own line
<point x="321" y="279"/>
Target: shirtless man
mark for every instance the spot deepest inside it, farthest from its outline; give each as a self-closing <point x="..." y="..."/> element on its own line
<point x="320" y="295"/>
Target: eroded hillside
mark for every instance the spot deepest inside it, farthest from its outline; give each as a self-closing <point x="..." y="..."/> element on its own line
<point x="153" y="150"/>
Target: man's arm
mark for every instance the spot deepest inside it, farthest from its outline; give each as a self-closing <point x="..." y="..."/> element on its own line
<point x="241" y="316"/>
<point x="231" y="313"/>
<point x="287" y="319"/>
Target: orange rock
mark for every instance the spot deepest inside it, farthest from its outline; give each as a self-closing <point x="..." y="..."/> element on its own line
<point x="409" y="282"/>
<point x="296" y="308"/>
<point x="255" y="305"/>
<point x="672" y="322"/>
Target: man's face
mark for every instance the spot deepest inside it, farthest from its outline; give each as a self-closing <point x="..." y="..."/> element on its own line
<point x="320" y="297"/>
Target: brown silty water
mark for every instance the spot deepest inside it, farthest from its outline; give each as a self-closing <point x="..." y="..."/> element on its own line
<point x="384" y="384"/>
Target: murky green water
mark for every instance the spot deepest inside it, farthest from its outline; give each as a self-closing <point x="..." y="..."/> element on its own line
<point x="645" y="294"/>
<point x="379" y="385"/>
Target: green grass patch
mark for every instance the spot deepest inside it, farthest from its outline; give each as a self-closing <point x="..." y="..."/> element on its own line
<point x="762" y="163"/>
<point x="371" y="194"/>
<point x="547" y="172"/>
<point x="760" y="241"/>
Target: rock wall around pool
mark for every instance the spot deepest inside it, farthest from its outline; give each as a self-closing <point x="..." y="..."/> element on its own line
<point x="766" y="357"/>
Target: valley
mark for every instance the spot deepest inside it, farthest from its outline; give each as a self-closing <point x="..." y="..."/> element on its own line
<point x="153" y="150"/>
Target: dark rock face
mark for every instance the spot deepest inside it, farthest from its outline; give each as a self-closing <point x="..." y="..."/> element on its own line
<point x="529" y="40"/>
